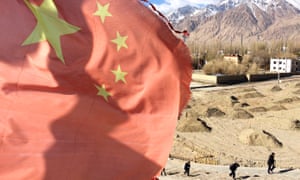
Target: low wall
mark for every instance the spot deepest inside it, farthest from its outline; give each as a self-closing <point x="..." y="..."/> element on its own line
<point x="235" y="79"/>
<point x="231" y="79"/>
<point x="264" y="77"/>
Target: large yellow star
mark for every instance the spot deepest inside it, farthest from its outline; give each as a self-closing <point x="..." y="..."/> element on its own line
<point x="49" y="26"/>
<point x="102" y="11"/>
<point x="102" y="92"/>
<point x="120" y="41"/>
<point x="120" y="75"/>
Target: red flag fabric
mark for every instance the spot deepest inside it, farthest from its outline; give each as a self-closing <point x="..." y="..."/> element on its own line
<point x="89" y="89"/>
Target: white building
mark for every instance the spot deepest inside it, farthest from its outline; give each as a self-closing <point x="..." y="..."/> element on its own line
<point x="284" y="65"/>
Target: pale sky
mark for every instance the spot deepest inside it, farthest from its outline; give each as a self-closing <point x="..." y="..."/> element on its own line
<point x="167" y="5"/>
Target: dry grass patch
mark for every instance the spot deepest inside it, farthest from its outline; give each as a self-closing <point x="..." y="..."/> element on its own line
<point x="224" y="67"/>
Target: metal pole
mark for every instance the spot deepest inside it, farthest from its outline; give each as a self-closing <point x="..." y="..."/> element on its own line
<point x="278" y="76"/>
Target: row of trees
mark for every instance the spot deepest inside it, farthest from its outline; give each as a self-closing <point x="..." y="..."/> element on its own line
<point x="255" y="55"/>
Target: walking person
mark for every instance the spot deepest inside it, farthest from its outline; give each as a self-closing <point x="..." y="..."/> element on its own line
<point x="163" y="172"/>
<point x="271" y="163"/>
<point x="187" y="167"/>
<point x="233" y="167"/>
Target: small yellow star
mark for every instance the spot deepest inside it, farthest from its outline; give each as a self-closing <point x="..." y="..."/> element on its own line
<point x="120" y="41"/>
<point x="102" y="92"/>
<point x="120" y="75"/>
<point x="102" y="11"/>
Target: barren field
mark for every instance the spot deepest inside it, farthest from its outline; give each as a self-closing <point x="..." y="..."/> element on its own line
<point x="243" y="124"/>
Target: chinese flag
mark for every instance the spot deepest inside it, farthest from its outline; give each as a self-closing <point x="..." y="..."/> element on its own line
<point x="89" y="90"/>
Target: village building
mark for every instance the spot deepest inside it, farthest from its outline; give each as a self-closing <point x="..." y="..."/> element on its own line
<point x="284" y="65"/>
<point x="237" y="59"/>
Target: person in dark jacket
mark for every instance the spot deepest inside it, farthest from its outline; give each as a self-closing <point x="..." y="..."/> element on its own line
<point x="163" y="172"/>
<point x="271" y="163"/>
<point x="233" y="167"/>
<point x="187" y="167"/>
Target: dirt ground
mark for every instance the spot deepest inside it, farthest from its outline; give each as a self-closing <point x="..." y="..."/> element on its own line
<point x="174" y="170"/>
<point x="241" y="123"/>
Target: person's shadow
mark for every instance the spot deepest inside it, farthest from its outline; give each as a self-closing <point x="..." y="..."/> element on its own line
<point x="80" y="131"/>
<point x="286" y="170"/>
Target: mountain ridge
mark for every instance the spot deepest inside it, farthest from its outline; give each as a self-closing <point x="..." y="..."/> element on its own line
<point x="229" y="20"/>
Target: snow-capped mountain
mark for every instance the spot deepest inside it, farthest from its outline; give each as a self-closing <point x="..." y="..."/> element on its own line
<point x="193" y="14"/>
<point x="179" y="14"/>
<point x="263" y="19"/>
<point x="262" y="4"/>
<point x="223" y="5"/>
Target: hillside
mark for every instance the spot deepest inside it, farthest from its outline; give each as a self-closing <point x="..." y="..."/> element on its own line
<point x="228" y="21"/>
<point x="242" y="123"/>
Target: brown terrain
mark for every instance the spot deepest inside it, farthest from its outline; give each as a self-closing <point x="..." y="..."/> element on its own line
<point x="241" y="123"/>
<point x="246" y="21"/>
